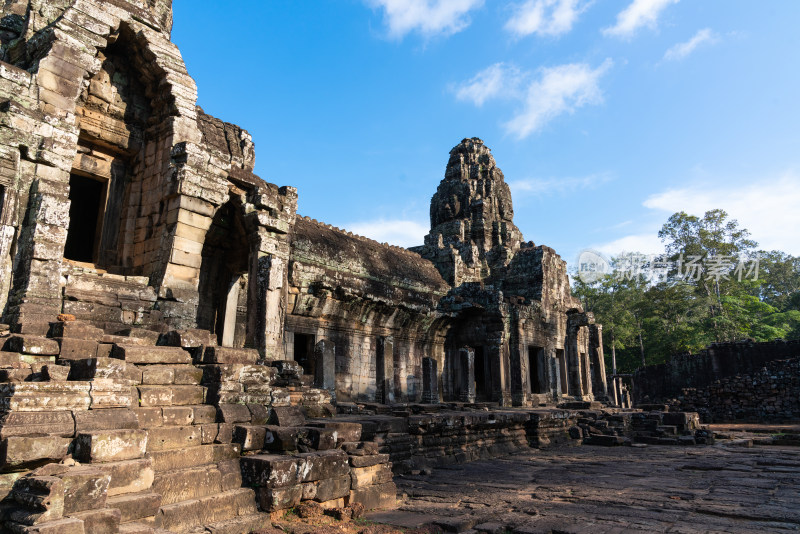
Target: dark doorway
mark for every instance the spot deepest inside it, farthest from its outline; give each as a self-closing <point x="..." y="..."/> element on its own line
<point x="483" y="376"/>
<point x="535" y="368"/>
<point x="304" y="353"/>
<point x="223" y="284"/>
<point x="87" y="198"/>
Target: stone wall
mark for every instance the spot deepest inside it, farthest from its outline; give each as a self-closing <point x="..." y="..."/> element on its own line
<point x="770" y="394"/>
<point x="657" y="383"/>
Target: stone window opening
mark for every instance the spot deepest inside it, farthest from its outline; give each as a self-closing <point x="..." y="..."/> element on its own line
<point x="87" y="209"/>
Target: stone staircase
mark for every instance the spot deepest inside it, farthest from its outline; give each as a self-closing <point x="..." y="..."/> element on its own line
<point x="154" y="426"/>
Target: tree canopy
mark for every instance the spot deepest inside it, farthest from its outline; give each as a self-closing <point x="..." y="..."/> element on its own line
<point x="711" y="284"/>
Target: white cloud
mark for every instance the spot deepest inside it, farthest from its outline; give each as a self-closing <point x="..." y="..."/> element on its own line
<point x="557" y="186"/>
<point x="428" y="17"/>
<point x="638" y="14"/>
<point x="681" y="50"/>
<point x="498" y="80"/>
<point x="545" y="17"/>
<point x="561" y="89"/>
<point x="400" y="232"/>
<point x="766" y="208"/>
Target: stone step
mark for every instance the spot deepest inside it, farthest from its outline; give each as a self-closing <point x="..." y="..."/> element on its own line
<point x="110" y="445"/>
<point x="140" y="354"/>
<point x="175" y="437"/>
<point x="135" y="506"/>
<point x="215" y="354"/>
<point x="193" y="456"/>
<point x="135" y="528"/>
<point x="238" y="525"/>
<point x="9" y="359"/>
<point x="129" y="476"/>
<point x="172" y="395"/>
<point x="76" y="349"/>
<point x="171" y="374"/>
<point x="75" y="329"/>
<point x="207" y="510"/>
<point x="32" y="345"/>
<point x="184" y="484"/>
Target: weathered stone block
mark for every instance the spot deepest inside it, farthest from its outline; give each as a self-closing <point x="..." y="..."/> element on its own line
<point x="367" y="461"/>
<point x="18" y="451"/>
<point x="110" y="445"/>
<point x="321" y="465"/>
<point x="233" y="413"/>
<point x="129" y="476"/>
<point x="85" y="488"/>
<point x="135" y="506"/>
<point x="139" y="354"/>
<point x="76" y="349"/>
<point x="380" y="497"/>
<point x="26" y="423"/>
<point x="287" y="416"/>
<point x="112" y="393"/>
<point x="68" y="525"/>
<point x="332" y="488"/>
<point x="45" y="396"/>
<point x="203" y="413"/>
<point x="280" y="498"/>
<point x="186" y="395"/>
<point x="41" y="496"/>
<point x="250" y="437"/>
<point x="214" y="354"/>
<point x="155" y="396"/>
<point x="370" y="476"/>
<point x="188" y="375"/>
<point x="269" y="470"/>
<point x="157" y="374"/>
<point x="105" y="419"/>
<point x="33" y="345"/>
<point x="177" y="415"/>
<point x="176" y="437"/>
<point x="100" y="521"/>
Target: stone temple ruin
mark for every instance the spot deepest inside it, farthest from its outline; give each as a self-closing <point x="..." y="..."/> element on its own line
<point x="182" y="351"/>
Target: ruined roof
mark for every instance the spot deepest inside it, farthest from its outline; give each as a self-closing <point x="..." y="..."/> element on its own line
<point x="344" y="253"/>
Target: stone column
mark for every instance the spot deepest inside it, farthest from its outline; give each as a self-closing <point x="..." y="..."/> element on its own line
<point x="430" y="381"/>
<point x="574" y="367"/>
<point x="599" y="383"/>
<point x="384" y="370"/>
<point x="268" y="301"/>
<point x="466" y="375"/>
<point x="325" y="358"/>
<point x="553" y="374"/>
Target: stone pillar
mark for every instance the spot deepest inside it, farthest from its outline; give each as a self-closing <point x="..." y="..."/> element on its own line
<point x="599" y="383"/>
<point x="465" y="378"/>
<point x="430" y="381"/>
<point x="553" y="374"/>
<point x="268" y="283"/>
<point x="573" y="361"/>
<point x="325" y="368"/>
<point x="384" y="370"/>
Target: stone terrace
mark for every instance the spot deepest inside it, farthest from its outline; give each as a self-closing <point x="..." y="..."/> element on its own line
<point x="595" y="490"/>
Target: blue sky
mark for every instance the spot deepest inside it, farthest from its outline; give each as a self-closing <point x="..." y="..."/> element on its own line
<point x="605" y="117"/>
